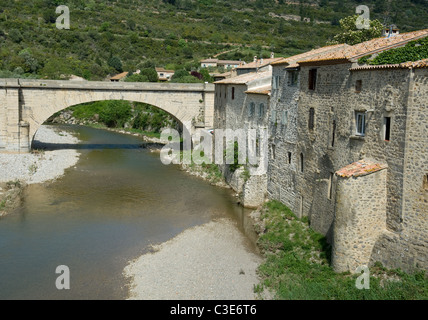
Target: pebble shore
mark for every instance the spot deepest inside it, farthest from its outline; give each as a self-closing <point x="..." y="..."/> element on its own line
<point x="208" y="262"/>
<point x="40" y="166"/>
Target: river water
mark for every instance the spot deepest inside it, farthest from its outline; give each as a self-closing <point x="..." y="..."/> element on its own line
<point x="107" y="210"/>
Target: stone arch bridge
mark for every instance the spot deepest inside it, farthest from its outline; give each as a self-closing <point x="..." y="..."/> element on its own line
<point x="26" y="104"/>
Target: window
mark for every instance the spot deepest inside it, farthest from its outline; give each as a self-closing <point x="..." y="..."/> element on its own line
<point x="284" y="119"/>
<point x="293" y="77"/>
<point x="425" y="183"/>
<point x="289" y="158"/>
<point x="251" y="109"/>
<point x="273" y="119"/>
<point x="261" y="110"/>
<point x="387" y="128"/>
<point x="312" y="79"/>
<point x="358" y="86"/>
<point x="333" y="133"/>
<point x="276" y="82"/>
<point x="273" y="152"/>
<point x="233" y="93"/>
<point x="311" y="118"/>
<point x="360" y="123"/>
<point x="301" y="163"/>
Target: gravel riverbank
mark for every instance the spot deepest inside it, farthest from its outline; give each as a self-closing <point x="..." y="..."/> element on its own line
<point x="208" y="262"/>
<point x="40" y="166"/>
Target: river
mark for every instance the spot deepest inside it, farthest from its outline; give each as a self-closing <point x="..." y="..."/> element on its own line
<point x="107" y="210"/>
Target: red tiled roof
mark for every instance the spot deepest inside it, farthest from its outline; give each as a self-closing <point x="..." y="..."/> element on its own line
<point x="119" y="76"/>
<point x="259" y="63"/>
<point x="245" y="78"/>
<point x="369" y="47"/>
<point x="360" y="168"/>
<point x="266" y="90"/>
<point x="405" y="65"/>
<point x="309" y="54"/>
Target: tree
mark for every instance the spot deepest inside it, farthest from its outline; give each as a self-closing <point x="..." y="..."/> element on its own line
<point x="115" y="63"/>
<point x="116" y="113"/>
<point x="352" y="35"/>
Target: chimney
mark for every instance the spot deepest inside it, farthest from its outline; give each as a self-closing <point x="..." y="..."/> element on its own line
<point x="272" y="55"/>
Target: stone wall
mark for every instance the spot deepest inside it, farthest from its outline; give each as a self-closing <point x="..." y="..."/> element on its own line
<point x="385" y="93"/>
<point x="360" y="219"/>
<point x="282" y="168"/>
<point x="408" y="249"/>
<point x="232" y="112"/>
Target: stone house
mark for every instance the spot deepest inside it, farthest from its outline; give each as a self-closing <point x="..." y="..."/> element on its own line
<point x="119" y="77"/>
<point x="357" y="158"/>
<point x="242" y="102"/>
<point x="164" y="75"/>
<point x="258" y="65"/>
<point x="216" y="63"/>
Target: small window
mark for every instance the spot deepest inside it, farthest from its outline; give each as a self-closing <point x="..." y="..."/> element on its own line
<point x="273" y="152"/>
<point x="302" y="163"/>
<point x="289" y="158"/>
<point x="425" y="183"/>
<point x="261" y="110"/>
<point x="233" y="93"/>
<point x="251" y="109"/>
<point x="358" y="86"/>
<point x="311" y="118"/>
<point x="312" y="79"/>
<point x="284" y="120"/>
<point x="273" y="118"/>
<point x="387" y="128"/>
<point x="276" y="82"/>
<point x="360" y="123"/>
<point x="333" y="133"/>
<point x="293" y="77"/>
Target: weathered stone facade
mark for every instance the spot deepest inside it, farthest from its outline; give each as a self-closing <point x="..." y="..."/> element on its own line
<point x="386" y="95"/>
<point x="242" y="103"/>
<point x="327" y="112"/>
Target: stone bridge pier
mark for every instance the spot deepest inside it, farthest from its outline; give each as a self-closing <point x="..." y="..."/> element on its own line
<point x="26" y="104"/>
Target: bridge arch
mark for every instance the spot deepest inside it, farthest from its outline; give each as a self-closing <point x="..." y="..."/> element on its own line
<point x="27" y="104"/>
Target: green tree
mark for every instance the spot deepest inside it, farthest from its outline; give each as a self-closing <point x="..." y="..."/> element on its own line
<point x="116" y="113"/>
<point x="352" y="35"/>
<point x="115" y="63"/>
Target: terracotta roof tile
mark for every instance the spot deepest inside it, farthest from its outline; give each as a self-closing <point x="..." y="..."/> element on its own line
<point x="309" y="54"/>
<point x="259" y="63"/>
<point x="360" y="168"/>
<point x="119" y="76"/>
<point x="370" y="47"/>
<point x="266" y="90"/>
<point x="406" y="65"/>
<point x="245" y="78"/>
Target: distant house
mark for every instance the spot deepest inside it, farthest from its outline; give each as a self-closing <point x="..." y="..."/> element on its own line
<point x="222" y="76"/>
<point x="215" y="63"/>
<point x="257" y="65"/>
<point x="164" y="75"/>
<point x="119" y="77"/>
<point x="390" y="31"/>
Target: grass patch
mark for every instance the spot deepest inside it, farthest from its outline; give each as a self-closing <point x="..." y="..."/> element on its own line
<point x="297" y="266"/>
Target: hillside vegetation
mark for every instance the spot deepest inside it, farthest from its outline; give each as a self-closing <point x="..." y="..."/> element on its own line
<point x="109" y="36"/>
